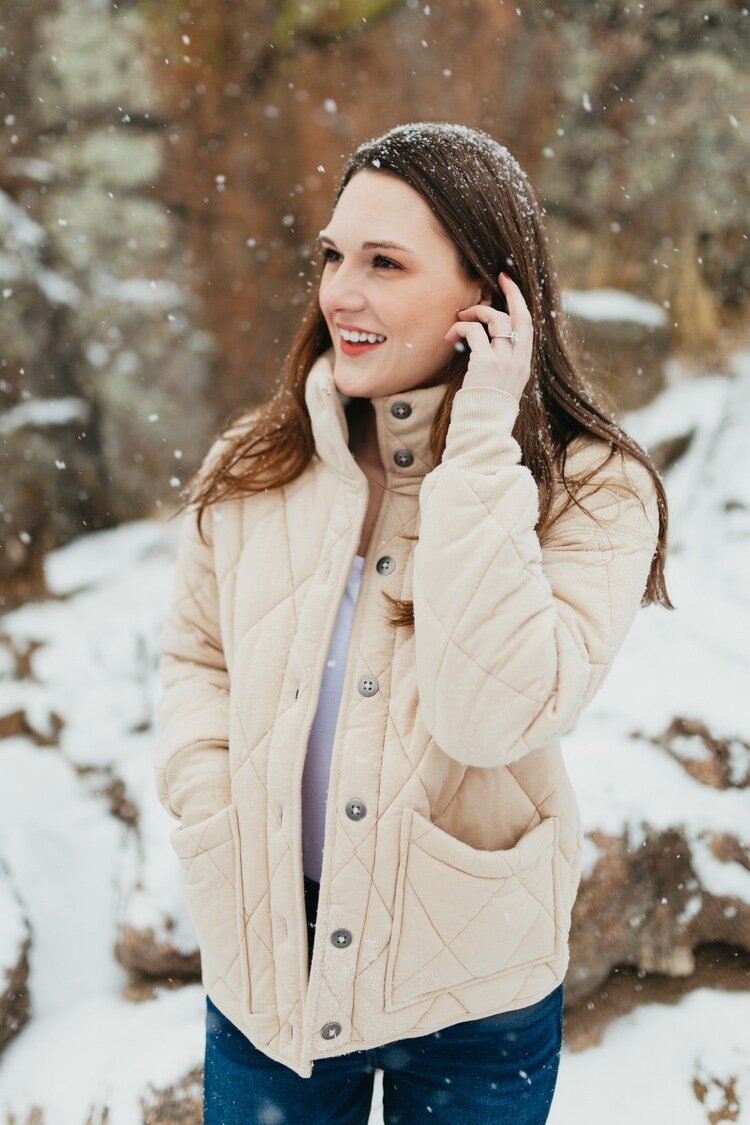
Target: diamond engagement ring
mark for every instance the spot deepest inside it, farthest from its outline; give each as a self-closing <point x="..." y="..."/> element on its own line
<point x="512" y="336"/>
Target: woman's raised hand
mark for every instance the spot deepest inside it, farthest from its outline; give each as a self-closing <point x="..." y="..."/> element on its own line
<point x="498" y="362"/>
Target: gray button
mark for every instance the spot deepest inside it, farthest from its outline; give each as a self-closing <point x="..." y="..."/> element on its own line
<point x="356" y="809"/>
<point x="341" y="938"/>
<point x="400" y="409"/>
<point x="403" y="457"/>
<point x="367" y="685"/>
<point x="330" y="1030"/>
<point x="385" y="565"/>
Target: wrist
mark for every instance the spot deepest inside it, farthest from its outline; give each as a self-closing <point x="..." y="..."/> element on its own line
<point x="480" y="430"/>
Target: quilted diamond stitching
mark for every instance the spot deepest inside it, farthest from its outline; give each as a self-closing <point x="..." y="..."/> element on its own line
<point x="400" y="747"/>
<point x="470" y="974"/>
<point x="202" y="850"/>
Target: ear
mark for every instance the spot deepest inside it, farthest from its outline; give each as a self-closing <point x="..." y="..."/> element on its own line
<point x="486" y="294"/>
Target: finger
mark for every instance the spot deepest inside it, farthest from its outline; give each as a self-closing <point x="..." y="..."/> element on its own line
<point x="517" y="308"/>
<point x="498" y="323"/>
<point x="485" y="313"/>
<point x="473" y="333"/>
<point x="457" y="328"/>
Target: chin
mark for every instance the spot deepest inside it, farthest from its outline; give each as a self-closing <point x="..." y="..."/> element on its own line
<point x="356" y="385"/>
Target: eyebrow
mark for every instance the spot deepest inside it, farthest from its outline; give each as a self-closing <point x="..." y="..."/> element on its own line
<point x="370" y="245"/>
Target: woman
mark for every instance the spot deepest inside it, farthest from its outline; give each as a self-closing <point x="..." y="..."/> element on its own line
<point x="402" y="580"/>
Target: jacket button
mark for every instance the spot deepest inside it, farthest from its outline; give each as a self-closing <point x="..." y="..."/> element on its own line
<point x="356" y="809"/>
<point x="400" y="409"/>
<point x="403" y="457"/>
<point x="367" y="685"/>
<point x="341" y="938"/>
<point x="385" y="564"/>
<point x="330" y="1030"/>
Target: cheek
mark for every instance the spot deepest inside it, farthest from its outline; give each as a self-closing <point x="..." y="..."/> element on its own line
<point x="436" y="321"/>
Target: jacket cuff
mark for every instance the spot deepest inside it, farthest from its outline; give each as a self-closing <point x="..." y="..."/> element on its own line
<point x="479" y="433"/>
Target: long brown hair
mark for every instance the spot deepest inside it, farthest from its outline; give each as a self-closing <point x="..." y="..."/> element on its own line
<point x="489" y="210"/>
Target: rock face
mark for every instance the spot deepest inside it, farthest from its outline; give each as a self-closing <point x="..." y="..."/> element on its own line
<point x="107" y="373"/>
<point x="646" y="907"/>
<point x="622" y="344"/>
<point x="171" y="167"/>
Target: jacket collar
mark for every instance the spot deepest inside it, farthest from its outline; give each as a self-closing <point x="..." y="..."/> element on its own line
<point x="326" y="407"/>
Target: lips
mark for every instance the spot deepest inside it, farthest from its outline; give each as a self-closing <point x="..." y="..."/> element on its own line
<point x="357" y="349"/>
<point x="357" y="328"/>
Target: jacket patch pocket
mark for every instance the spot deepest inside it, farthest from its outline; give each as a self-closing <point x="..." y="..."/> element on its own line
<point x="209" y="854"/>
<point x="463" y="915"/>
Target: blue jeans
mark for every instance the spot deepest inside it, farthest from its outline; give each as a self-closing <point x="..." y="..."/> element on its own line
<point x="499" y="1069"/>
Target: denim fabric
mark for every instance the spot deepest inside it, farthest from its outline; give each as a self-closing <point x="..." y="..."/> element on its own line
<point x="499" y="1069"/>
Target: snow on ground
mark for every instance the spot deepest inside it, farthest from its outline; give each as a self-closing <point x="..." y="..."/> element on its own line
<point x="71" y="861"/>
<point x="643" y="1070"/>
<point x="690" y="662"/>
<point x="102" y="1051"/>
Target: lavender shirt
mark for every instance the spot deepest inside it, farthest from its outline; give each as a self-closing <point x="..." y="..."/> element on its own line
<point x="320" y="742"/>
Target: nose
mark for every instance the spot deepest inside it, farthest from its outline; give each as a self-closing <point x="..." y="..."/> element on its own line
<point x="341" y="292"/>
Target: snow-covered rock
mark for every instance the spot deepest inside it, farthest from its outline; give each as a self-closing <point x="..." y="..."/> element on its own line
<point x="15" y="942"/>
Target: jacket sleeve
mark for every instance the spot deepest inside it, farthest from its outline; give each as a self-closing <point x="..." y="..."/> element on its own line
<point x="192" y="751"/>
<point x="513" y="637"/>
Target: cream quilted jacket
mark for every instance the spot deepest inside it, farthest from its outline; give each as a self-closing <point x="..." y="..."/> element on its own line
<point x="453" y="837"/>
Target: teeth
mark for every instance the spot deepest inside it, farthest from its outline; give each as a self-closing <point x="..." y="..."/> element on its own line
<point x="361" y="337"/>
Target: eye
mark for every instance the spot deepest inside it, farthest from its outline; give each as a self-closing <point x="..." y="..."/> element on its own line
<point x="388" y="264"/>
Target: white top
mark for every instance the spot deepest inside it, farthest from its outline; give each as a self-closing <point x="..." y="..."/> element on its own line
<point x="320" y="742"/>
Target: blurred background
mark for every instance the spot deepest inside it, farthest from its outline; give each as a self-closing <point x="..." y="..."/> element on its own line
<point x="165" y="166"/>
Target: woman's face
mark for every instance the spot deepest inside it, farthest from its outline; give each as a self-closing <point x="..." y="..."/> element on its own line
<point x="408" y="295"/>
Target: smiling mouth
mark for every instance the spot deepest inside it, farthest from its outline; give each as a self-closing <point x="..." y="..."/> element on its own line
<point x="355" y="349"/>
